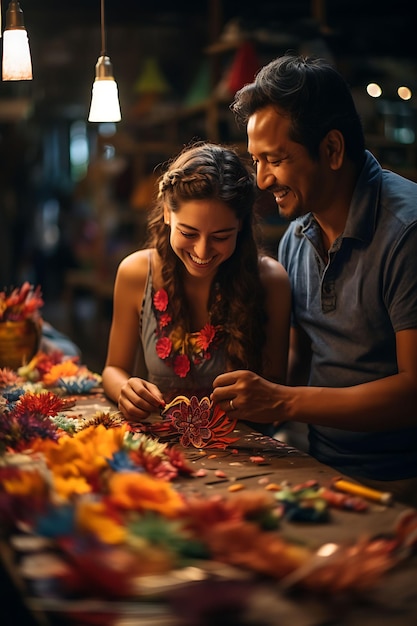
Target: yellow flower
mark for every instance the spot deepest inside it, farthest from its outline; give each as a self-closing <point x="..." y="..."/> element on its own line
<point x="179" y="340"/>
<point x="69" y="486"/>
<point x="92" y="516"/>
<point x="140" y="492"/>
<point x="85" y="454"/>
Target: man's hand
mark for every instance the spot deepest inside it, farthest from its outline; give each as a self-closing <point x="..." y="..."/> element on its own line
<point x="247" y="396"/>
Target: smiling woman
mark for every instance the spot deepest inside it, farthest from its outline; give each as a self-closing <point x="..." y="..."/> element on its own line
<point x="201" y="298"/>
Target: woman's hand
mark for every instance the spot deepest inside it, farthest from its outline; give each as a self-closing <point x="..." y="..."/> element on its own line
<point x="138" y="399"/>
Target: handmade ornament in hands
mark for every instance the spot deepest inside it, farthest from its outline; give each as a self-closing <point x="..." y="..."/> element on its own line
<point x="197" y="422"/>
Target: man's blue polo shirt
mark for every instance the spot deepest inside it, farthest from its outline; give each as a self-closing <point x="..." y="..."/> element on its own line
<point x="351" y="309"/>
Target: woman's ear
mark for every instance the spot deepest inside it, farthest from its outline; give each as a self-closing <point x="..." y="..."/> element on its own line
<point x="333" y="147"/>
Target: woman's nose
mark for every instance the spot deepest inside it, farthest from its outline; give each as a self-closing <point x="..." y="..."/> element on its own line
<point x="264" y="177"/>
<point x="201" y="248"/>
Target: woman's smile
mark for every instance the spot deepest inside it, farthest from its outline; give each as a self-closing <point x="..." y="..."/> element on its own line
<point x="199" y="261"/>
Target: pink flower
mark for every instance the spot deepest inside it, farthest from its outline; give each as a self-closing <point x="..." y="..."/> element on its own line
<point x="164" y="320"/>
<point x="160" y="300"/>
<point x="205" y="336"/>
<point x="181" y="365"/>
<point x="163" y="347"/>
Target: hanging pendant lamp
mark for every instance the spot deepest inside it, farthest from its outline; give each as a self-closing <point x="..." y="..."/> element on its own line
<point x="105" y="105"/>
<point x="17" y="63"/>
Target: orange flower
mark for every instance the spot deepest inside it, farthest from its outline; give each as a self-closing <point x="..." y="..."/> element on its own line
<point x="60" y="370"/>
<point x="25" y="483"/>
<point x="93" y="517"/>
<point x="140" y="492"/>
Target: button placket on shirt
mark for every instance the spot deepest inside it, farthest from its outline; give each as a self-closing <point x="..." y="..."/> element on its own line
<point x="327" y="281"/>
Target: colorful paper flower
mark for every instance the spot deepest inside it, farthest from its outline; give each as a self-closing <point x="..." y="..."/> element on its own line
<point x="45" y="404"/>
<point x="197" y="422"/>
<point x="77" y="384"/>
<point x="205" y="336"/>
<point x="160" y="300"/>
<point x="21" y="482"/>
<point x="95" y="517"/>
<point x="28" y="420"/>
<point x="163" y="347"/>
<point x="8" y="377"/>
<point x="178" y="348"/>
<point x="86" y="452"/>
<point x="42" y="363"/>
<point x="65" y="369"/>
<point x="181" y="365"/>
<point x="21" y="303"/>
<point x="140" y="492"/>
<point x="165" y="320"/>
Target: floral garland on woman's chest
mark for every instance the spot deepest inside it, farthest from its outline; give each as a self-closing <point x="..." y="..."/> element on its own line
<point x="174" y="346"/>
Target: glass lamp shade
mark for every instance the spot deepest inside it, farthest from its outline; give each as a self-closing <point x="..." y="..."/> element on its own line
<point x="104" y="101"/>
<point x="17" y="64"/>
<point x="105" y="105"/>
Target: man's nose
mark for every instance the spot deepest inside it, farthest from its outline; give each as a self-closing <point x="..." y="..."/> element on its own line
<point x="264" y="177"/>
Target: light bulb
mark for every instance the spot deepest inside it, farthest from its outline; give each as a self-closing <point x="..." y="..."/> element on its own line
<point x="105" y="105"/>
<point x="17" y="64"/>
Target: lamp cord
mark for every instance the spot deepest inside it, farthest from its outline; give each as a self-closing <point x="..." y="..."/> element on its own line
<point x="103" y="33"/>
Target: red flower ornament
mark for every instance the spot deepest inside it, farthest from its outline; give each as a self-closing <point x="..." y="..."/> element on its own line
<point x="160" y="300"/>
<point x="165" y="320"/>
<point x="205" y="337"/>
<point x="179" y="349"/>
<point x="163" y="347"/>
<point x="197" y="422"/>
<point x="181" y="365"/>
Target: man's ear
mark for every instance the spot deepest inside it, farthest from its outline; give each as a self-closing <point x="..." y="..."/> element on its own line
<point x="333" y="147"/>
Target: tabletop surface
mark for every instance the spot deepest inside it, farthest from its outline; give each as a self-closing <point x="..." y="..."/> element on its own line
<point x="254" y="462"/>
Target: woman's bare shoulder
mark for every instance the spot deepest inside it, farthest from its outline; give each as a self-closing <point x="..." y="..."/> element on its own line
<point x="135" y="266"/>
<point x="272" y="270"/>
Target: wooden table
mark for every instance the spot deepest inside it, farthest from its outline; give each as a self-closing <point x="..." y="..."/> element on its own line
<point x="248" y="600"/>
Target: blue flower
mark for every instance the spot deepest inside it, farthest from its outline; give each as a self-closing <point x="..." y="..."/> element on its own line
<point x="121" y="462"/>
<point x="77" y="385"/>
<point x="58" y="522"/>
<point x="12" y="394"/>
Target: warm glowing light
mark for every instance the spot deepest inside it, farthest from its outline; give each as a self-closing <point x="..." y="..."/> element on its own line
<point x="105" y="105"/>
<point x="105" y="101"/>
<point x="374" y="90"/>
<point x="327" y="549"/>
<point x="17" y="64"/>
<point x="404" y="93"/>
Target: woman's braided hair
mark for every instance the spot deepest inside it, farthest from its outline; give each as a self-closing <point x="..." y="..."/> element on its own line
<point x="209" y="171"/>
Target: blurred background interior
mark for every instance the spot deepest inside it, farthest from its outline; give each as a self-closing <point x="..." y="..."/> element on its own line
<point x="74" y="194"/>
